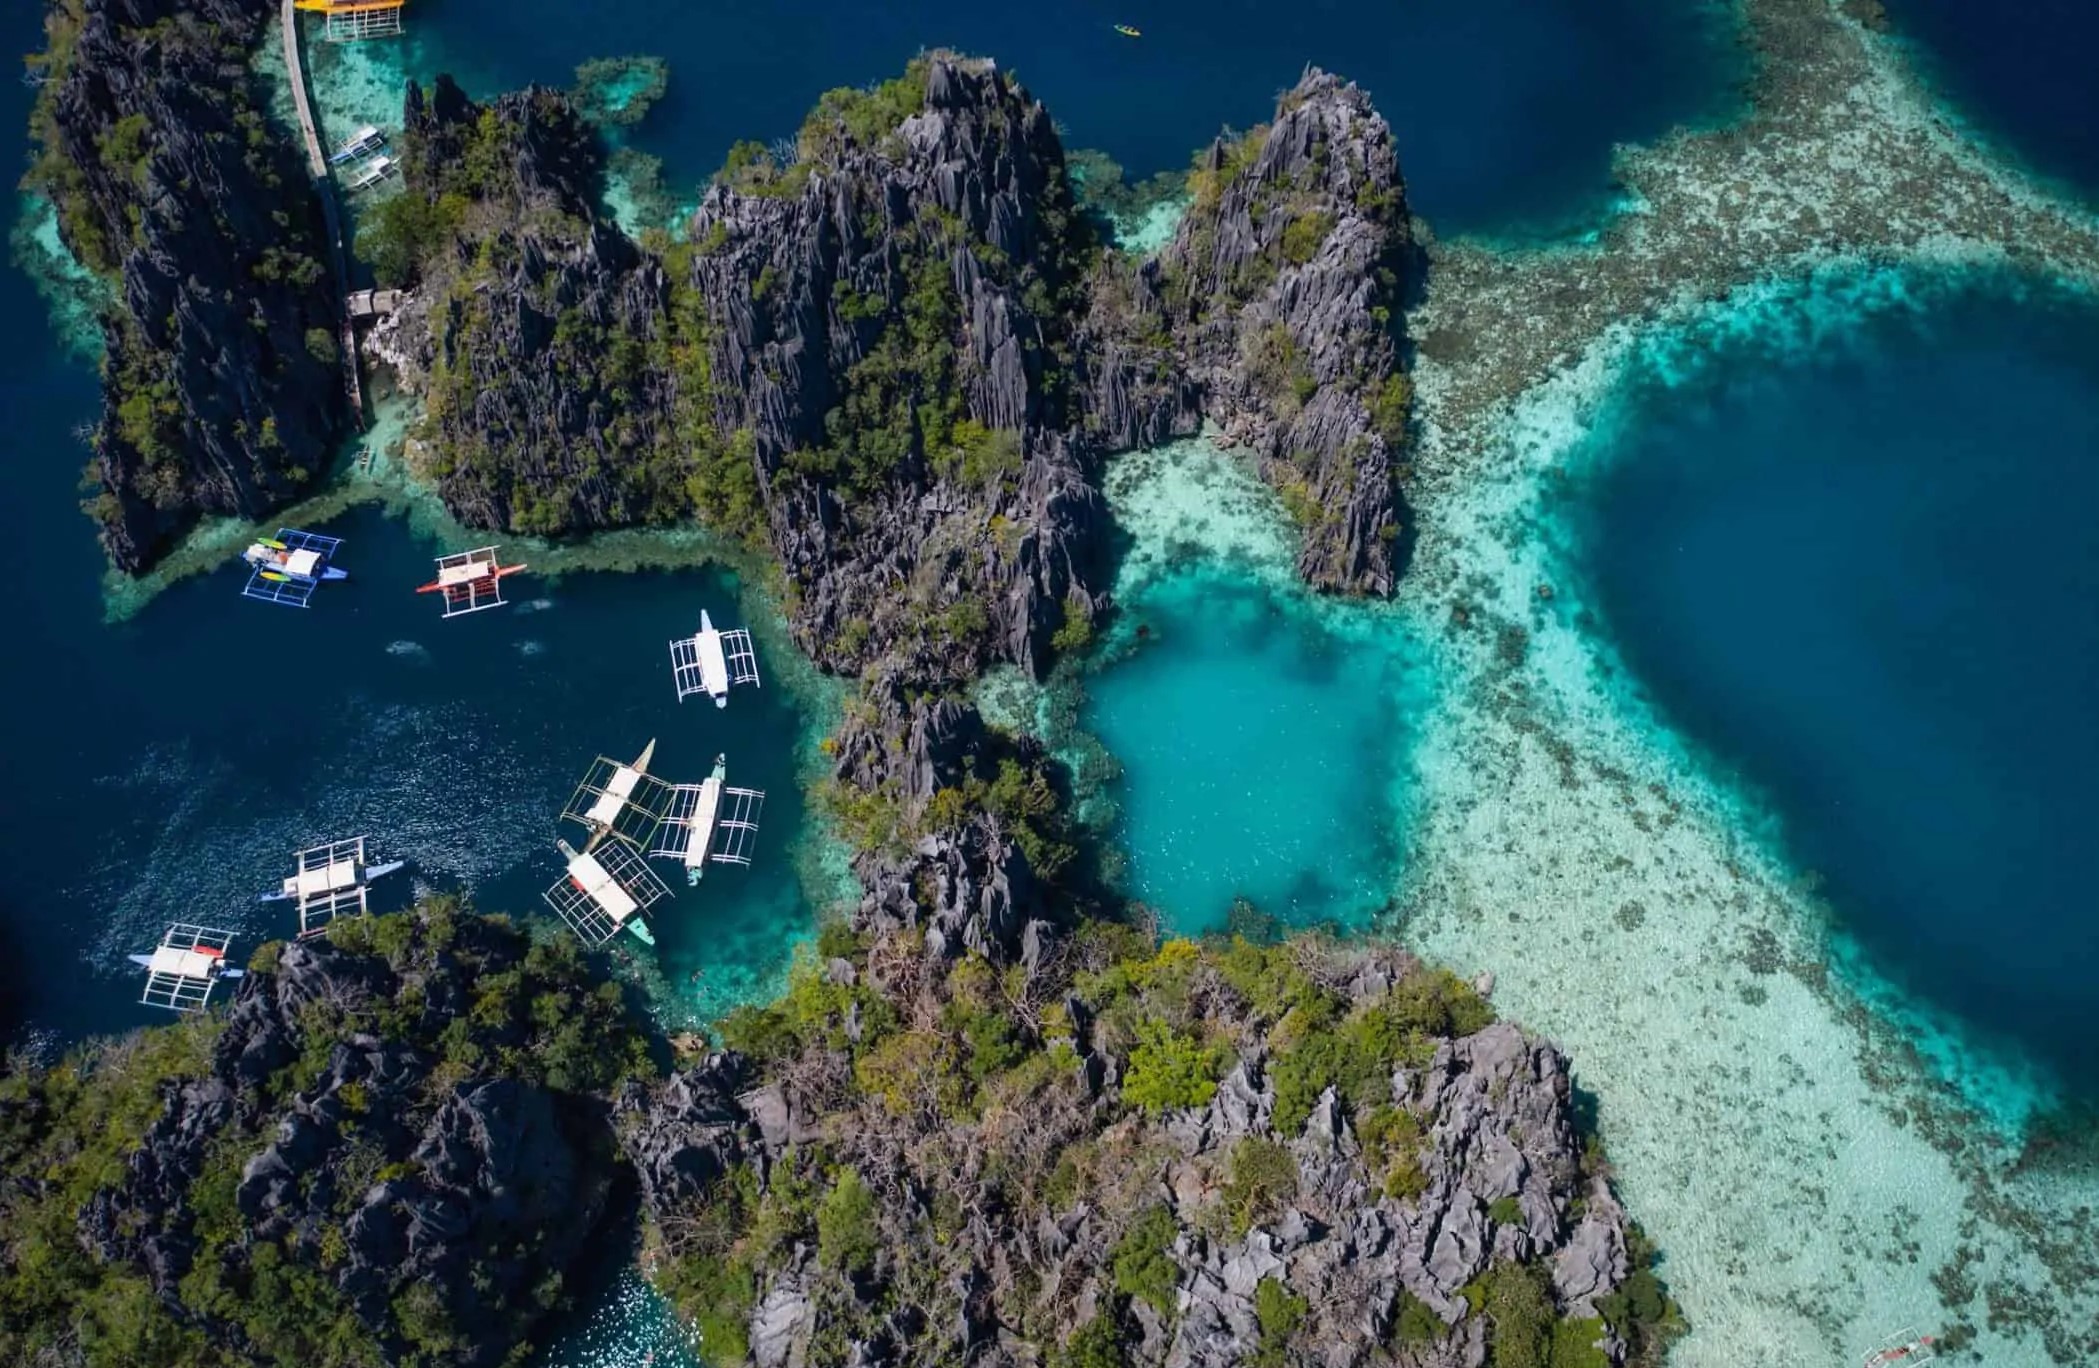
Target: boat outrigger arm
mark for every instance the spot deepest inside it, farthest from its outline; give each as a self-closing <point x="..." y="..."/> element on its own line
<point x="712" y="661"/>
<point x="605" y="889"/>
<point x="470" y="580"/>
<point x="709" y="821"/>
<point x="331" y="881"/>
<point x="186" y="965"/>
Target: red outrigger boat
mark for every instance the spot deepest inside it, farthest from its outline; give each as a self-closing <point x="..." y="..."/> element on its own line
<point x="470" y="580"/>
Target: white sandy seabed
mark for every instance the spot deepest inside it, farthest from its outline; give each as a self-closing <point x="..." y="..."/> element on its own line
<point x="1783" y="1140"/>
<point x="1779" y="1123"/>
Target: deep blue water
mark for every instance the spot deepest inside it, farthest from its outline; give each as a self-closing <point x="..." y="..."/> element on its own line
<point x="1259" y="752"/>
<point x="176" y="760"/>
<point x="1505" y="110"/>
<point x="165" y="768"/>
<point x="2020" y="72"/>
<point x="1865" y="582"/>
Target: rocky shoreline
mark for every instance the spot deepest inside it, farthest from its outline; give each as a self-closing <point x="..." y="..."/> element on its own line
<point x="222" y="387"/>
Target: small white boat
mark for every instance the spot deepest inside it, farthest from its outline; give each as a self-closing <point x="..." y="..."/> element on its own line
<point x="330" y="881"/>
<point x="709" y="821"/>
<point x="188" y="963"/>
<point x="365" y="140"/>
<point x="372" y="172"/>
<point x="712" y="661"/>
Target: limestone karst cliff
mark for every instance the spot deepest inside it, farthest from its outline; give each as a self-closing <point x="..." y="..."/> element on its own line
<point x="1186" y="1156"/>
<point x="390" y="1147"/>
<point x="222" y="380"/>
<point x="1284" y="281"/>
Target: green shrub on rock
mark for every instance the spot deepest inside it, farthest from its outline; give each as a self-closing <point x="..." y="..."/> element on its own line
<point x="1169" y="1068"/>
<point x="1518" y="1305"/>
<point x="1141" y="1264"/>
<point x="1279" y="1311"/>
<point x="1263" y="1177"/>
<point x="846" y="1235"/>
<point x="1096" y="1344"/>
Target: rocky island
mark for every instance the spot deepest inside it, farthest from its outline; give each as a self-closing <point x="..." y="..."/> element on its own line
<point x="222" y="389"/>
<point x="993" y="1118"/>
<point x="406" y="1142"/>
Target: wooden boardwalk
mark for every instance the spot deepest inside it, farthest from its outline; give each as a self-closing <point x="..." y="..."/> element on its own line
<point x="324" y="186"/>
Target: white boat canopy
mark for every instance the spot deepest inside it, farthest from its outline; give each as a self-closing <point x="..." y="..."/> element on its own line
<point x="709" y="821"/>
<point x="470" y="580"/>
<point x="185" y="967"/>
<point x="604" y="890"/>
<point x="712" y="661"/>
<point x="328" y="883"/>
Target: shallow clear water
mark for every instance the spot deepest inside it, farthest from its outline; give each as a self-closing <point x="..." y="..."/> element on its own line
<point x="1506" y="110"/>
<point x="1255" y="749"/>
<point x="1865" y="584"/>
<point x="1259" y="735"/>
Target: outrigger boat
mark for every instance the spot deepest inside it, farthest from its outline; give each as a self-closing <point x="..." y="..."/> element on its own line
<point x="288" y="567"/>
<point x="373" y="171"/>
<point x="712" y="661"/>
<point x="187" y="964"/>
<point x="604" y="890"/>
<point x="331" y="881"/>
<point x="1906" y="1348"/>
<point x="709" y="821"/>
<point x="365" y="140"/>
<point x="470" y="580"/>
<point x="620" y="798"/>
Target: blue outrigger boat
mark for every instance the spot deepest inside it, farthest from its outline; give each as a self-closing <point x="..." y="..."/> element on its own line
<point x="287" y="568"/>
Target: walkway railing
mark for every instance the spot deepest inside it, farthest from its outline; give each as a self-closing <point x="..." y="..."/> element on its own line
<point x="317" y="166"/>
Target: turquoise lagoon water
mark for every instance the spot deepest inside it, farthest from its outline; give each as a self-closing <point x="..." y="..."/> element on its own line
<point x="1260" y="735"/>
<point x="1822" y="604"/>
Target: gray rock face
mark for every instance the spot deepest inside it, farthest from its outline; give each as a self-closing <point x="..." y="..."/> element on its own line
<point x="1284" y="283"/>
<point x="780" y="1326"/>
<point x="1010" y="1268"/>
<point x="690" y="1133"/>
<point x="533" y="346"/>
<point x="480" y="1193"/>
<point x="964" y="208"/>
<point x="214" y="400"/>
